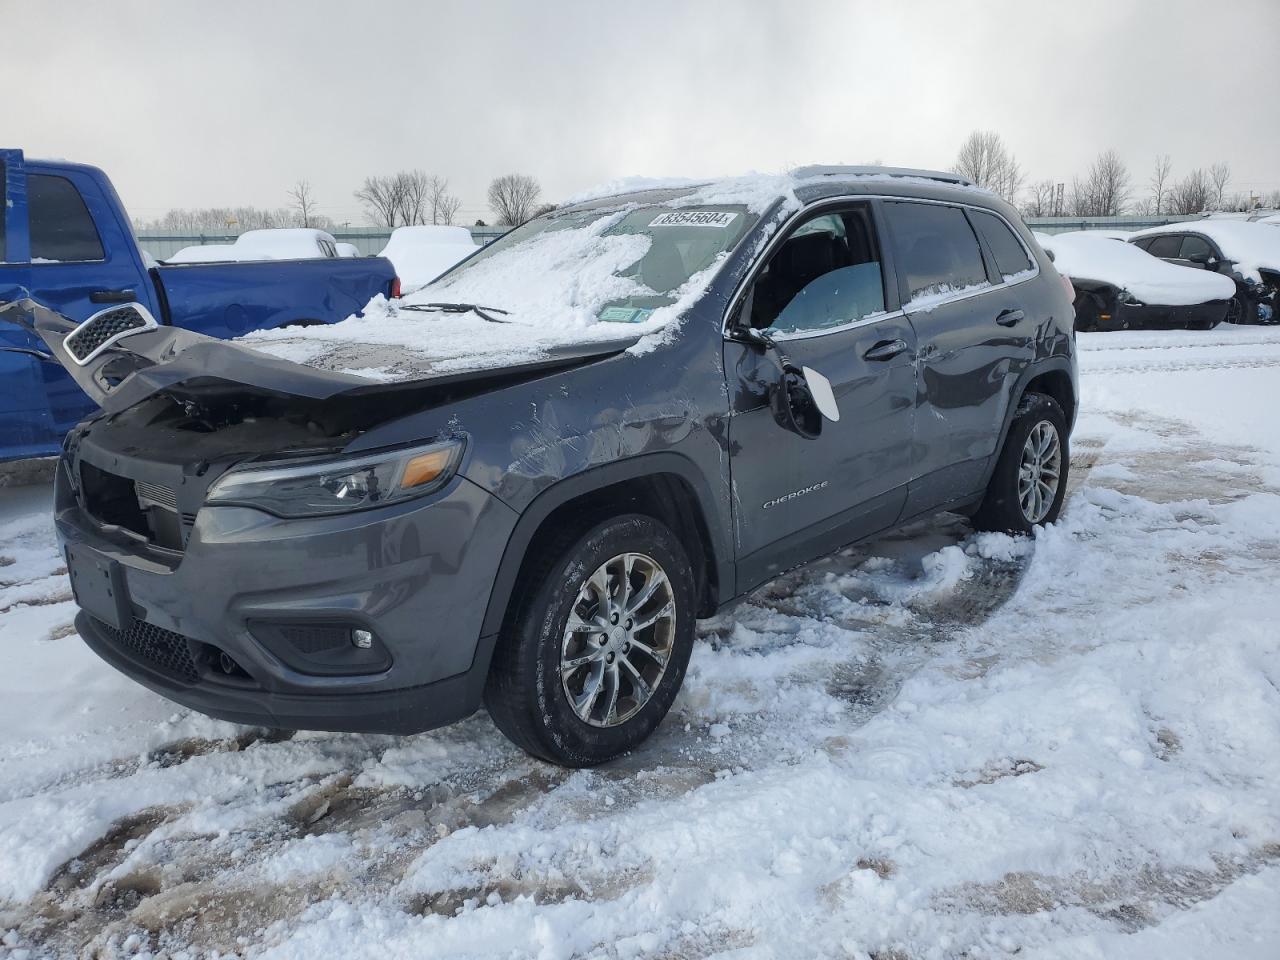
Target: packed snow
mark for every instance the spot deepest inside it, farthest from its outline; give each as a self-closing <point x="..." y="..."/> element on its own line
<point x="938" y="744"/>
<point x="1252" y="246"/>
<point x="1085" y="255"/>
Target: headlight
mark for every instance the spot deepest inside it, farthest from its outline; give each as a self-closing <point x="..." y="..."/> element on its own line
<point x="321" y="487"/>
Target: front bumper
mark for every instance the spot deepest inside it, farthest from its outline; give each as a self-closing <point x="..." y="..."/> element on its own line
<point x="1140" y="316"/>
<point x="203" y="626"/>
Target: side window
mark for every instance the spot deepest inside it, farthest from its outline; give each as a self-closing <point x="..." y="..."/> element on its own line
<point x="826" y="274"/>
<point x="1194" y="245"/>
<point x="1011" y="256"/>
<point x="1165" y="247"/>
<point x="61" y="228"/>
<point x="936" y="247"/>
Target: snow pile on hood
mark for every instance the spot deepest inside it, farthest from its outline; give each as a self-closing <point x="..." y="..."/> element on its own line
<point x="1253" y="246"/>
<point x="1083" y="256"/>
<point x="422" y="253"/>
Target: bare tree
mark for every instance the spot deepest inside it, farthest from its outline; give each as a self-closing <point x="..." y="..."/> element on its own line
<point x="1220" y="174"/>
<point x="512" y="198"/>
<point x="985" y="161"/>
<point x="413" y="192"/>
<point x="303" y="201"/>
<point x="1159" y="182"/>
<point x="1042" y="199"/>
<point x="381" y="199"/>
<point x="1192" y="194"/>
<point x="443" y="205"/>
<point x="1104" y="191"/>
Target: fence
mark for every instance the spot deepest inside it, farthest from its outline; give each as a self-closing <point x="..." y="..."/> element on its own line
<point x="368" y="240"/>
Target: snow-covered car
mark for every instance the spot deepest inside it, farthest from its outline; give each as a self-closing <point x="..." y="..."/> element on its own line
<point x="422" y="253"/>
<point x="348" y="249"/>
<point x="1119" y="286"/>
<point x="293" y="243"/>
<point x="1248" y="253"/>
<point x="204" y="253"/>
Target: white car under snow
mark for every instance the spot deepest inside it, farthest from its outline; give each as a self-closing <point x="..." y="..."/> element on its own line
<point x="300" y="243"/>
<point x="1119" y="286"/>
<point x="422" y="253"/>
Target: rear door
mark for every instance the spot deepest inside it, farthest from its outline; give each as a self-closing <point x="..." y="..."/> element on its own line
<point x="822" y="296"/>
<point x="975" y="338"/>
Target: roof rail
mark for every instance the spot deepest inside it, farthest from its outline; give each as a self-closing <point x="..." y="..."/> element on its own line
<point x="839" y="170"/>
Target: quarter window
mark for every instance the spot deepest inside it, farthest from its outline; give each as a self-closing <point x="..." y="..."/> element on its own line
<point x="61" y="228"/>
<point x="936" y="246"/>
<point x="1011" y="255"/>
<point x="1165" y="247"/>
<point x="826" y="274"/>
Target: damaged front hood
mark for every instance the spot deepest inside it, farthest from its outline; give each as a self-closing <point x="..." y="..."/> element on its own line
<point x="183" y="363"/>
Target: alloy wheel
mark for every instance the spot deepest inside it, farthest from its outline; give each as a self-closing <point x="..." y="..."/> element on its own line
<point x="1039" y="471"/>
<point x="618" y="639"/>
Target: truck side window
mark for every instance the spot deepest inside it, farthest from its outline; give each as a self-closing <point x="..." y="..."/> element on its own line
<point x="826" y="274"/>
<point x="61" y="228"/>
<point x="936" y="247"/>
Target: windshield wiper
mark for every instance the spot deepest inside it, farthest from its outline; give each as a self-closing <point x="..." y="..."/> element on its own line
<point x="484" y="313"/>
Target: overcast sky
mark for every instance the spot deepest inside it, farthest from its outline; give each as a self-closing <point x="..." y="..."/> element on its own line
<point x="227" y="103"/>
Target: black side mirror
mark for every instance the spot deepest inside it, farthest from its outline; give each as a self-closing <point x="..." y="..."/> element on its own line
<point x="793" y="405"/>
<point x="1202" y="258"/>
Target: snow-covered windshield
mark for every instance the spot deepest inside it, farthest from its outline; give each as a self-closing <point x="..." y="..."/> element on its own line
<point x="581" y="276"/>
<point x="616" y="265"/>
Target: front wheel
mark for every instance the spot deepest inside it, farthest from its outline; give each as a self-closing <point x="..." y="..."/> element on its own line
<point x="1029" y="482"/>
<point x="595" y="654"/>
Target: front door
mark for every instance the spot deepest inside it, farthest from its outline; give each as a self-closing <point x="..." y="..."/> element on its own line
<point x="822" y="297"/>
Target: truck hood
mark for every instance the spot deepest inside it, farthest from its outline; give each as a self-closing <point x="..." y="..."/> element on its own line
<point x="182" y="363"/>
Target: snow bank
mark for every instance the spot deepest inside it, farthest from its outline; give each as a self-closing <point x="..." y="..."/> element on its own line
<point x="1254" y="246"/>
<point x="1083" y="255"/>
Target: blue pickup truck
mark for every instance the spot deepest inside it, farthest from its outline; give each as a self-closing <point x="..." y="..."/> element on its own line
<point x="66" y="242"/>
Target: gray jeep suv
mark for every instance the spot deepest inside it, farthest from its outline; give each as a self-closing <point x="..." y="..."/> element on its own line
<point x="368" y="538"/>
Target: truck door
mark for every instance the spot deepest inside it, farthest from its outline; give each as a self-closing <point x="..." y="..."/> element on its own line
<point x="80" y="263"/>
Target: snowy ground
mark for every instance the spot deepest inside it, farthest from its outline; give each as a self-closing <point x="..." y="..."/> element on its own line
<point x="935" y="745"/>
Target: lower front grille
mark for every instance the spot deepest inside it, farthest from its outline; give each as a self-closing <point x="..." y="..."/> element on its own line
<point x="167" y="651"/>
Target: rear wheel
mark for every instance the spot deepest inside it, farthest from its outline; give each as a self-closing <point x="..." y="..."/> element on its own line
<point x="1029" y="482"/>
<point x="595" y="654"/>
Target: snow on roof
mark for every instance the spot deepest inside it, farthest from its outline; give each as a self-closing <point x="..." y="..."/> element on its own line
<point x="1085" y="255"/>
<point x="348" y="249"/>
<point x="293" y="243"/>
<point x="1253" y="246"/>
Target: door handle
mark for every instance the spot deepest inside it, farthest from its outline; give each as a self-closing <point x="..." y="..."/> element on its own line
<point x="886" y="350"/>
<point x="111" y="296"/>
<point x="1008" y="318"/>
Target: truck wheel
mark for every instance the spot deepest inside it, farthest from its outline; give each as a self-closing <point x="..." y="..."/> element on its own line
<point x="1030" y="478"/>
<point x="596" y="651"/>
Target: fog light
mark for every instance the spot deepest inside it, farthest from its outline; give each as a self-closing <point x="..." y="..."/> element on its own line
<point x="362" y="639"/>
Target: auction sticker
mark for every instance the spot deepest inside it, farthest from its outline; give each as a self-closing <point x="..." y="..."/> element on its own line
<point x="694" y="218"/>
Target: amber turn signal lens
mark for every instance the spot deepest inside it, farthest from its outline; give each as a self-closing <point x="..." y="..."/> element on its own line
<point x="424" y="468"/>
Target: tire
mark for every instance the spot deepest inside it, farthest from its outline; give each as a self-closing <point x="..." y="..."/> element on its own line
<point x="1003" y="507"/>
<point x="525" y="693"/>
<point x="1087" y="313"/>
<point x="1236" y="310"/>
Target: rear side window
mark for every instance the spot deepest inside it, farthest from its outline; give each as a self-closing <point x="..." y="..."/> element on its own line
<point x="1165" y="247"/>
<point x="1192" y="246"/>
<point x="61" y="228"/>
<point x="1011" y="256"/>
<point x="936" y="247"/>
